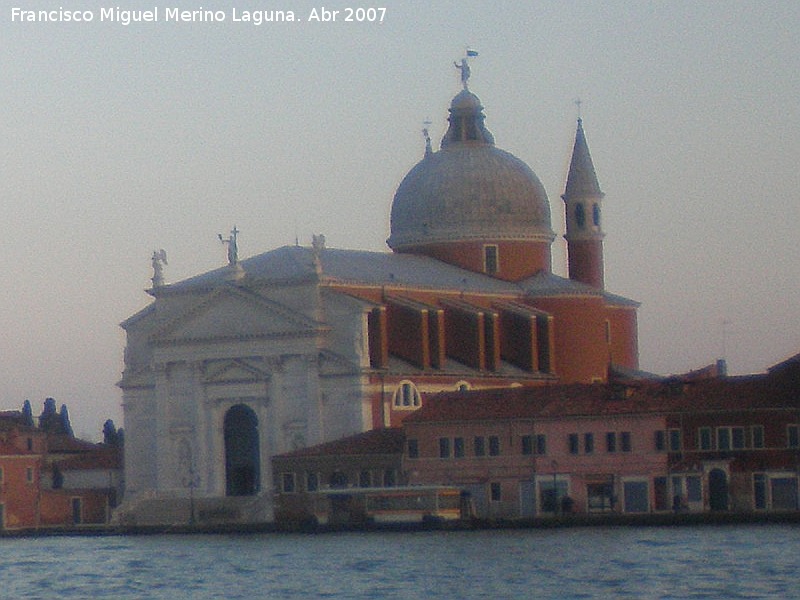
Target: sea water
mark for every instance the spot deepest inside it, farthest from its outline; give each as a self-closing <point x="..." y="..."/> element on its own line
<point x="622" y="562"/>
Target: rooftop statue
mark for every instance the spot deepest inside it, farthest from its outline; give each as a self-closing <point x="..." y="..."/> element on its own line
<point x="159" y="260"/>
<point x="464" y="67"/>
<point x="233" y="248"/>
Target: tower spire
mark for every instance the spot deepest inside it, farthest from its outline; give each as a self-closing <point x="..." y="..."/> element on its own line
<point x="583" y="199"/>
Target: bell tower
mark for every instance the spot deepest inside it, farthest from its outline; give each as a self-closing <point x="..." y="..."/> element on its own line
<point x="583" y="200"/>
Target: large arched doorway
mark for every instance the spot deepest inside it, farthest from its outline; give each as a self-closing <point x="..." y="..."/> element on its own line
<point x="242" y="464"/>
<point x="717" y="490"/>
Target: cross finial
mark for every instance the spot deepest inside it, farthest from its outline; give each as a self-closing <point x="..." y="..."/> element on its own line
<point x="578" y="103"/>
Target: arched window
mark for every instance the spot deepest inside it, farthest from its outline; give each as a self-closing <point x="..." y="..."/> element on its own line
<point x="463" y="386"/>
<point x="580" y="216"/>
<point x="407" y="396"/>
<point x="596" y="214"/>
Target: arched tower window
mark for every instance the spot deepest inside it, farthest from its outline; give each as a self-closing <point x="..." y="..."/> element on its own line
<point x="580" y="216"/>
<point x="596" y="214"/>
<point x="242" y="464"/>
<point x="407" y="396"/>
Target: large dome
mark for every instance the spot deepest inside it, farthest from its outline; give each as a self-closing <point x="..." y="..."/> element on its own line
<point x="469" y="190"/>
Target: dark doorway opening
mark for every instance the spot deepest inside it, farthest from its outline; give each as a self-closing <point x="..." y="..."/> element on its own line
<point x="717" y="490"/>
<point x="242" y="464"/>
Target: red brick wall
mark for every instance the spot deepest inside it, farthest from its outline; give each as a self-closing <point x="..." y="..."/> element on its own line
<point x="586" y="261"/>
<point x="517" y="259"/>
<point x="56" y="507"/>
<point x="378" y="338"/>
<point x="465" y="336"/>
<point x="624" y="336"/>
<point x="19" y="496"/>
<point x="436" y="341"/>
<point x="518" y="335"/>
<point x="408" y="334"/>
<point x="579" y="331"/>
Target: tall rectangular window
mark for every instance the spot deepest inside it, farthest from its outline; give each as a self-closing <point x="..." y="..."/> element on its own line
<point x="738" y="439"/>
<point x="611" y="441"/>
<point x="660" y="441"/>
<point x="793" y="436"/>
<point x="704" y="439"/>
<point x="527" y="445"/>
<point x="458" y="447"/>
<point x="723" y="438"/>
<point x="759" y="491"/>
<point x="312" y="482"/>
<point x="495" y="491"/>
<point x="625" y="441"/>
<point x="413" y="448"/>
<point x="444" y="447"/>
<point x="573" y="443"/>
<point x="660" y="494"/>
<point x="494" y="445"/>
<point x="287" y="483"/>
<point x="674" y="440"/>
<point x="541" y="443"/>
<point x="491" y="259"/>
<point x="588" y="443"/>
<point x="389" y="478"/>
<point x="364" y="479"/>
<point x="77" y="511"/>
<point x="479" y="446"/>
<point x="757" y="436"/>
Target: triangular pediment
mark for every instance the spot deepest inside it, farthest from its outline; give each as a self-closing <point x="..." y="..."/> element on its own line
<point x="231" y="313"/>
<point x="235" y="371"/>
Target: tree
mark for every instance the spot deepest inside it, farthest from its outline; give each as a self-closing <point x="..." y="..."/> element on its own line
<point x="27" y="413"/>
<point x="110" y="434"/>
<point x="65" y="426"/>
<point x="49" y="420"/>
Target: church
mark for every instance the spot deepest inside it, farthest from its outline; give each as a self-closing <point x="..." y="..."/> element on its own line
<point x="303" y="345"/>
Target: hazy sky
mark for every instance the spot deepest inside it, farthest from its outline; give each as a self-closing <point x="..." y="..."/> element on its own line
<point x="119" y="140"/>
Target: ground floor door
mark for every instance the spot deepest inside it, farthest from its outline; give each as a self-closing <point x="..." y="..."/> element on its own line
<point x="717" y="490"/>
<point x="527" y="499"/>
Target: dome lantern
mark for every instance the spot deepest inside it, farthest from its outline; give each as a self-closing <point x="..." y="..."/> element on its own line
<point x="473" y="204"/>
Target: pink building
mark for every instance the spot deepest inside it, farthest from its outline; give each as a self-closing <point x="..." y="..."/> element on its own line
<point x="701" y="442"/>
<point x="528" y="452"/>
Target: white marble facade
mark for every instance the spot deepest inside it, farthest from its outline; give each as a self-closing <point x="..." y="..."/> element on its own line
<point x="197" y="352"/>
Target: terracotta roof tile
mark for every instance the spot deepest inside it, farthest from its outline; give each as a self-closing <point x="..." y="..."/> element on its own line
<point x="376" y="441"/>
<point x="764" y="391"/>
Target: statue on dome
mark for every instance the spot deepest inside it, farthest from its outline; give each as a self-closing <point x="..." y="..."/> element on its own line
<point x="426" y="134"/>
<point x="465" y="72"/>
<point x="464" y="67"/>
